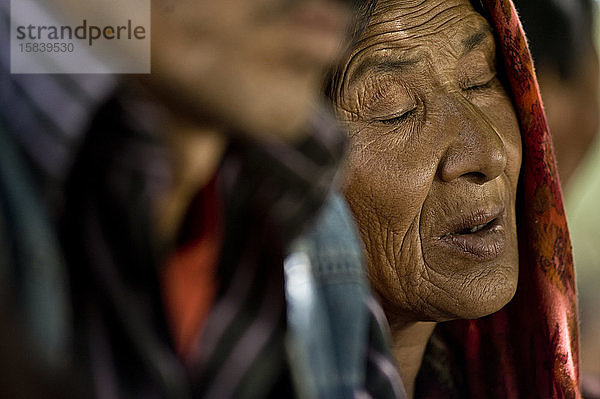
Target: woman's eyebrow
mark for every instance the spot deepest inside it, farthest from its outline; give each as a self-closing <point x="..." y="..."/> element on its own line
<point x="471" y="42"/>
<point x="381" y="65"/>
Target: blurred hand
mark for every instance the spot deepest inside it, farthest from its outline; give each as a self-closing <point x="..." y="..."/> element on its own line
<point x="251" y="66"/>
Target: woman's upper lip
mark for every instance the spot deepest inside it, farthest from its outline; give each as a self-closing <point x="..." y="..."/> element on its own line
<point x="468" y="219"/>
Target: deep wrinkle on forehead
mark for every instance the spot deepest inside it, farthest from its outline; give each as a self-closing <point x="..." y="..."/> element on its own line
<point x="384" y="64"/>
<point x="394" y="44"/>
<point x="417" y="18"/>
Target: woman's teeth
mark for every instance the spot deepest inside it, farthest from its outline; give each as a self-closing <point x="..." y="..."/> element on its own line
<point x="477" y="228"/>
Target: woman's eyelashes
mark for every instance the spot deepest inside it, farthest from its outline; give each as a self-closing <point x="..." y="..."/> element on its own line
<point x="479" y="85"/>
<point x="398" y="118"/>
<point x="473" y="87"/>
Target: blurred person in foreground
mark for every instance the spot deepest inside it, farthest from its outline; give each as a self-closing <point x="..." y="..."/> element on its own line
<point x="562" y="42"/>
<point x="145" y="220"/>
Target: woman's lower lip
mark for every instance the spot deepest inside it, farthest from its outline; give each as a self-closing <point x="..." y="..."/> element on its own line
<point x="486" y="244"/>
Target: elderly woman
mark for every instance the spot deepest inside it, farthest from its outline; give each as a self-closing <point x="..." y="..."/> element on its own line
<point x="437" y="118"/>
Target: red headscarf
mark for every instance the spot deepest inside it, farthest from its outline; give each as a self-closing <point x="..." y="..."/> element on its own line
<point x="529" y="349"/>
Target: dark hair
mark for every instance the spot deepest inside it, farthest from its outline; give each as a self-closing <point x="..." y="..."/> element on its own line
<point x="560" y="33"/>
<point x="363" y="13"/>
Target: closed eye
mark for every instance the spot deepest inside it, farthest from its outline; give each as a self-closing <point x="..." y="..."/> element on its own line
<point x="480" y="86"/>
<point x="396" y="119"/>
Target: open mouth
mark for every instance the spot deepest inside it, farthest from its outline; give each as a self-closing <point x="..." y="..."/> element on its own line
<point x="484" y="227"/>
<point x="480" y="234"/>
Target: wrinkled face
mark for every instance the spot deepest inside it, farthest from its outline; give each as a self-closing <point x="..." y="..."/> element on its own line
<point x="434" y="163"/>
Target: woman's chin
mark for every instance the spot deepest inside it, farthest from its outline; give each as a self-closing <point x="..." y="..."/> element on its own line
<point x="478" y="295"/>
<point x="486" y="295"/>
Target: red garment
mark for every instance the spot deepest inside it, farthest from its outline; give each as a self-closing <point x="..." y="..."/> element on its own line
<point x="189" y="280"/>
<point x="529" y="349"/>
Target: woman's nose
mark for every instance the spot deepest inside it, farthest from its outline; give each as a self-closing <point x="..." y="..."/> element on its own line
<point x="476" y="150"/>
